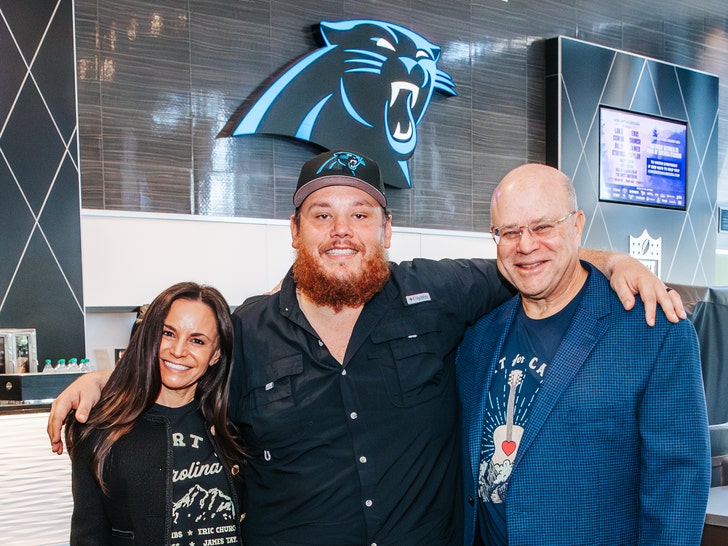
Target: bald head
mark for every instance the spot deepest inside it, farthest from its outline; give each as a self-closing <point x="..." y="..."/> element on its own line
<point x="538" y="178"/>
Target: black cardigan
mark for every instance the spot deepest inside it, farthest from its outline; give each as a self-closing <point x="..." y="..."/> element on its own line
<point x="138" y="508"/>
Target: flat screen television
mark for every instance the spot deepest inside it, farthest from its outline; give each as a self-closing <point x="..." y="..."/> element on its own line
<point x="642" y="159"/>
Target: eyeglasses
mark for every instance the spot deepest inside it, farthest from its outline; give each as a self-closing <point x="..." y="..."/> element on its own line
<point x="540" y="229"/>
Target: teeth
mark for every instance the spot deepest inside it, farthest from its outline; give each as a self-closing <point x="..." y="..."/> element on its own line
<point x="175" y="366"/>
<point x="398" y="87"/>
<point x="398" y="134"/>
<point x="341" y="251"/>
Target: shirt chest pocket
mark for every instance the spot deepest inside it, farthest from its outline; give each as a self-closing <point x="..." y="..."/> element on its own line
<point x="271" y="411"/>
<point x="409" y="354"/>
<point x="271" y="383"/>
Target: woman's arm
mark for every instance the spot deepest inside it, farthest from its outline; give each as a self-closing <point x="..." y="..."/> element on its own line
<point x="89" y="524"/>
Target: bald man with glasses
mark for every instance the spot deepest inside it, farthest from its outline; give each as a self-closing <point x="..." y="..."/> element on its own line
<point x="580" y="423"/>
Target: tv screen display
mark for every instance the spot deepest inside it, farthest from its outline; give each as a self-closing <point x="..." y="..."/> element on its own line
<point x="642" y="159"/>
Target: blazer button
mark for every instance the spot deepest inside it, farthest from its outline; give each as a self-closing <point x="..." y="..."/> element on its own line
<point x="234" y="470"/>
<point x="242" y="516"/>
<point x="471" y="500"/>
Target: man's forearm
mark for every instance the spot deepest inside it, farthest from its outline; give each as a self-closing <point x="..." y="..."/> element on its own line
<point x="603" y="260"/>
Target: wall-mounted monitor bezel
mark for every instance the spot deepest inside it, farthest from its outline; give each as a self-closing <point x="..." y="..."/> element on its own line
<point x="722" y="218"/>
<point x="642" y="159"/>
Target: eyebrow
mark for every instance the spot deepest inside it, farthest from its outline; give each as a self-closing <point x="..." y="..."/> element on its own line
<point x="364" y="202"/>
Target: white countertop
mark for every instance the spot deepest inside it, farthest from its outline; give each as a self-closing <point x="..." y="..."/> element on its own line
<point x="717" y="511"/>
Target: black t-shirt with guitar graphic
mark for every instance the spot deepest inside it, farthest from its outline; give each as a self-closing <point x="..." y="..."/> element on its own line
<point x="529" y="348"/>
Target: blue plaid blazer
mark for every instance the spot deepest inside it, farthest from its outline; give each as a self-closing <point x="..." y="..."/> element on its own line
<point x="616" y="450"/>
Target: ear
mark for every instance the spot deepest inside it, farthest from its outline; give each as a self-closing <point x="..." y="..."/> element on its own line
<point x="294" y="232"/>
<point x="215" y="358"/>
<point x="388" y="232"/>
<point x="579" y="223"/>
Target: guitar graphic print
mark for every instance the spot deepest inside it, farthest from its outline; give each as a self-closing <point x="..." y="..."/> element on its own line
<point x="507" y="438"/>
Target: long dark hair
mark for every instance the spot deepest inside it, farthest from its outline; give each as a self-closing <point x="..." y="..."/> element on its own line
<point x="136" y="381"/>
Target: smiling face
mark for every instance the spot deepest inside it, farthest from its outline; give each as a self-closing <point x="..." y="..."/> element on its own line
<point x="188" y="347"/>
<point x="341" y="236"/>
<point x="546" y="271"/>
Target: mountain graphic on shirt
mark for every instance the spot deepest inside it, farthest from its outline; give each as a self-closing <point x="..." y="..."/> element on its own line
<point x="200" y="504"/>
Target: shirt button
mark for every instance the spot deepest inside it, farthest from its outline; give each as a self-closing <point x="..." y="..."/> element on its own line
<point x="343" y="372"/>
<point x="362" y="459"/>
<point x="353" y="415"/>
<point x="368" y="503"/>
<point x="374" y="544"/>
<point x="321" y="343"/>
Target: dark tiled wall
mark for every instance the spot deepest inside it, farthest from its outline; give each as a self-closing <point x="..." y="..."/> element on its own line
<point x="158" y="80"/>
<point x="40" y="233"/>
<point x="580" y="77"/>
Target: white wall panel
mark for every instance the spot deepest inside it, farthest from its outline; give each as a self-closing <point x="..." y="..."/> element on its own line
<point x="130" y="257"/>
<point x="35" y="495"/>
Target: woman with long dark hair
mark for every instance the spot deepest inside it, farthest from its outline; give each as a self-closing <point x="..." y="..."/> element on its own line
<point x="157" y="460"/>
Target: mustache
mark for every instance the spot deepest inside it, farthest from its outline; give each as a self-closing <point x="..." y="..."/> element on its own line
<point x="349" y="245"/>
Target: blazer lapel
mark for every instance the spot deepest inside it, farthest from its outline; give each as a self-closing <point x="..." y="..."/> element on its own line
<point x="487" y="360"/>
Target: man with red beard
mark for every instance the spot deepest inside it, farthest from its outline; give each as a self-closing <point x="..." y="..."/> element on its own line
<point x="344" y="381"/>
<point x="343" y="384"/>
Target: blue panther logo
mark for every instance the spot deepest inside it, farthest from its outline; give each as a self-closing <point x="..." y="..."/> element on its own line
<point x="348" y="160"/>
<point x="367" y="89"/>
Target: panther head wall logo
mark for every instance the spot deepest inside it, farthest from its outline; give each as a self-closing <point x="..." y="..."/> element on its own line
<point x="367" y="89"/>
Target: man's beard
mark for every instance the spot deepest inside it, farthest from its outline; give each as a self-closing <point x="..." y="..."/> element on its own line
<point x="331" y="291"/>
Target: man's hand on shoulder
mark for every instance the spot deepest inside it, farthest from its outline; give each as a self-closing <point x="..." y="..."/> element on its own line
<point x="629" y="277"/>
<point x="80" y="395"/>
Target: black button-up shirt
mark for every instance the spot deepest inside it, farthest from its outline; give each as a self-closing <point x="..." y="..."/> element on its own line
<point x="365" y="452"/>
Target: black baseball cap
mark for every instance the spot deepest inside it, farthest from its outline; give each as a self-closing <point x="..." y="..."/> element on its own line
<point x="340" y="168"/>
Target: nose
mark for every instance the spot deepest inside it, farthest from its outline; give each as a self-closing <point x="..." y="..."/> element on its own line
<point x="341" y="227"/>
<point x="177" y="347"/>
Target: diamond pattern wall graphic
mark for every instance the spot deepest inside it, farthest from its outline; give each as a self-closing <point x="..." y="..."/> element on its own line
<point x="40" y="235"/>
<point x="579" y="78"/>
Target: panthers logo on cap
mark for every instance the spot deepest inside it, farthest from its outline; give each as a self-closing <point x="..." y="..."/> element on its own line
<point x="347" y="160"/>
